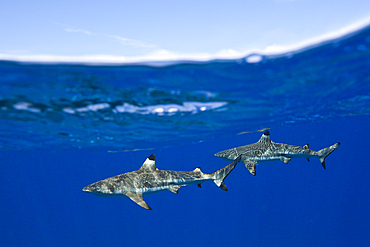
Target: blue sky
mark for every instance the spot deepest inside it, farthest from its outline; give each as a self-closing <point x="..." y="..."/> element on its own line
<point x="126" y="31"/>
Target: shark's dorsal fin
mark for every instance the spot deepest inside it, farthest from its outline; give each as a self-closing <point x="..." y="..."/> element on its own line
<point x="138" y="198"/>
<point x="265" y="137"/>
<point x="197" y="169"/>
<point x="306" y="146"/>
<point x="149" y="164"/>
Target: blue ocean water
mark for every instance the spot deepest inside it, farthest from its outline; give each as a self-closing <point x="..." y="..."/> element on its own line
<point x="64" y="126"/>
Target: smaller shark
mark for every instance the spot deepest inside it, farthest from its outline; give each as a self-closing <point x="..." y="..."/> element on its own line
<point x="149" y="179"/>
<point x="266" y="150"/>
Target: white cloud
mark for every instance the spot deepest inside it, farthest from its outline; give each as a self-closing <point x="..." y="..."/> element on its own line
<point x="163" y="56"/>
<point x="131" y="42"/>
<point x="122" y="40"/>
<point x="78" y="31"/>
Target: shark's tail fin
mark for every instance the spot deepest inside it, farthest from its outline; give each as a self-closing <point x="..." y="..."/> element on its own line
<point x="220" y="175"/>
<point x="323" y="153"/>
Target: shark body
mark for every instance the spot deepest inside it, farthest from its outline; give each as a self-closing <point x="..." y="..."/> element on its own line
<point x="149" y="179"/>
<point x="266" y="150"/>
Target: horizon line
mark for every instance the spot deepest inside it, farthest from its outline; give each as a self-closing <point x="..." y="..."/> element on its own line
<point x="162" y="57"/>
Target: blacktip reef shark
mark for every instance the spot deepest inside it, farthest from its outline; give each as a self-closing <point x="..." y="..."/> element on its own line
<point x="149" y="179"/>
<point x="266" y="150"/>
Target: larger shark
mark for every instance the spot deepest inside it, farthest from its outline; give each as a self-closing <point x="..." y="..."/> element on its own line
<point x="149" y="179"/>
<point x="266" y="150"/>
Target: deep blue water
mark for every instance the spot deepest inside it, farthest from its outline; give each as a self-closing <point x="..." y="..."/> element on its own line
<point x="65" y="126"/>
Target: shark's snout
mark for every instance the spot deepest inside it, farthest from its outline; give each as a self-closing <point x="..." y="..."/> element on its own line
<point x="88" y="189"/>
<point x="221" y="154"/>
<point x="218" y="155"/>
<point x="227" y="156"/>
<point x="85" y="189"/>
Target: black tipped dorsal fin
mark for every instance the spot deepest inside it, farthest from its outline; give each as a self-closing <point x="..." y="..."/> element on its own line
<point x="306" y="146"/>
<point x="197" y="169"/>
<point x="265" y="137"/>
<point x="149" y="164"/>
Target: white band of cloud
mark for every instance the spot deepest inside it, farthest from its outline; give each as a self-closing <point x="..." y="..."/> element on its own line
<point x="122" y="40"/>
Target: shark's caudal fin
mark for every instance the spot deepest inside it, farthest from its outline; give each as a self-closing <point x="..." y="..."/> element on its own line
<point x="220" y="175"/>
<point x="323" y="153"/>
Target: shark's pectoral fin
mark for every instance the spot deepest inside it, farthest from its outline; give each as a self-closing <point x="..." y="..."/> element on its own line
<point x="138" y="198"/>
<point x="251" y="166"/>
<point x="285" y="160"/>
<point x="175" y="189"/>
